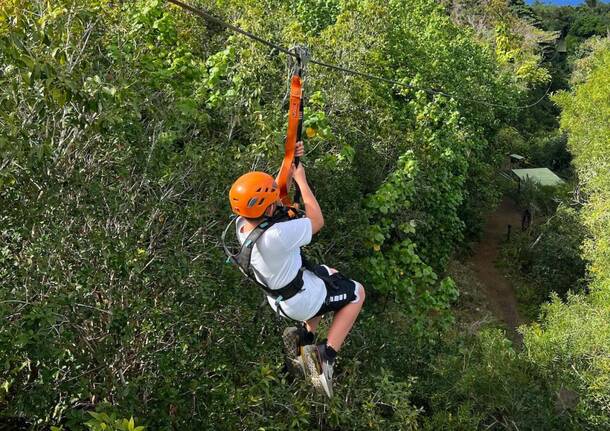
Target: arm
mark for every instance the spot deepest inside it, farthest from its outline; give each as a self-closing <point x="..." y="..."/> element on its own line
<point x="298" y="152"/>
<point x="312" y="208"/>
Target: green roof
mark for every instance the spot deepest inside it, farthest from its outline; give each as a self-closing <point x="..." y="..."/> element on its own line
<point x="542" y="176"/>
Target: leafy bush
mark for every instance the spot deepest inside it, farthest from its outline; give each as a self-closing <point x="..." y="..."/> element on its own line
<point x="549" y="254"/>
<point x="123" y="124"/>
<point x="105" y="422"/>
<point x="560" y="378"/>
<point x="585" y="120"/>
<point x="483" y="382"/>
<point x="569" y="350"/>
<point x="551" y="151"/>
<point x="316" y="15"/>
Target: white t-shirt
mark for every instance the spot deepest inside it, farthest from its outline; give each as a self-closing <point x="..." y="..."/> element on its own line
<point x="276" y="256"/>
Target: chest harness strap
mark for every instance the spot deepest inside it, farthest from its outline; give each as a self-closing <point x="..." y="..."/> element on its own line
<point x="243" y="260"/>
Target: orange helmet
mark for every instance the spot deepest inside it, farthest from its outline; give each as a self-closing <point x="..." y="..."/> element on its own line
<point x="252" y="193"/>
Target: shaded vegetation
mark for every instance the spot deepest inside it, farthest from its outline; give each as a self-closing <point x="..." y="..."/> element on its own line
<point x="122" y="125"/>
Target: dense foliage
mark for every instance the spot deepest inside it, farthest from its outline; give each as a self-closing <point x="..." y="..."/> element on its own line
<point x="549" y="254"/>
<point x="575" y="24"/>
<point x="122" y="126"/>
<point x="127" y="123"/>
<point x="585" y="116"/>
<point x="560" y="378"/>
<point x="566" y="30"/>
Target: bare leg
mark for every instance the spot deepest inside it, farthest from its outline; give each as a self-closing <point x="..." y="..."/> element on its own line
<point x="344" y="320"/>
<point x="312" y="324"/>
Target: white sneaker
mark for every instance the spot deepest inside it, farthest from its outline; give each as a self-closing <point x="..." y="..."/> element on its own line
<point x="319" y="367"/>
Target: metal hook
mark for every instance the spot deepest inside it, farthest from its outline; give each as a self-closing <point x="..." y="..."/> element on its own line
<point x="303" y="55"/>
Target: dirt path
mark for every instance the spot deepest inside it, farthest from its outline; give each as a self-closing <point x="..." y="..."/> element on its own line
<point x="500" y="293"/>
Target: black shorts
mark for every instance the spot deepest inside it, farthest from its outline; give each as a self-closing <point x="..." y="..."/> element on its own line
<point x="340" y="290"/>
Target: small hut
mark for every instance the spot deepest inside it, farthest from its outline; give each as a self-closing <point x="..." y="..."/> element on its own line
<point x="516" y="161"/>
<point x="542" y="176"/>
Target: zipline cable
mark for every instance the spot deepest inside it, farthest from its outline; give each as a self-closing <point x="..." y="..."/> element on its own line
<point x="212" y="18"/>
<point x="208" y="16"/>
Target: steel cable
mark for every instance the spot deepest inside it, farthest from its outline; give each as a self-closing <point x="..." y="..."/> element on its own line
<point x="210" y="17"/>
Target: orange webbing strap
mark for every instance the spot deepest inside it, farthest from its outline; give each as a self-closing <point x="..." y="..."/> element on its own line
<point x="296" y="93"/>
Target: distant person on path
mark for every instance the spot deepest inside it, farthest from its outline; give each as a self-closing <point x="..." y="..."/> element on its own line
<point x="526" y="219"/>
<point x="294" y="288"/>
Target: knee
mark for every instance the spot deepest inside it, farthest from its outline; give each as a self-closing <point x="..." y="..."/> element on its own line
<point x="330" y="270"/>
<point x="361" y="293"/>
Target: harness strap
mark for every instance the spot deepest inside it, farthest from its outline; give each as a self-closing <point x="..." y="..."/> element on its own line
<point x="316" y="269"/>
<point x="244" y="261"/>
<point x="296" y="94"/>
<point x="295" y="124"/>
<point x="243" y="258"/>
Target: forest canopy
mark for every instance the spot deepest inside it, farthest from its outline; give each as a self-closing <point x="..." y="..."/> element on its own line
<point x="122" y="127"/>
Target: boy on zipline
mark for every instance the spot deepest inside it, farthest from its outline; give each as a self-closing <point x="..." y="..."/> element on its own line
<point x="296" y="290"/>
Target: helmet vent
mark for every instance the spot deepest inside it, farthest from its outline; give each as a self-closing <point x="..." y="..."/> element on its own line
<point x="259" y="189"/>
<point x="252" y="202"/>
<point x="261" y="201"/>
